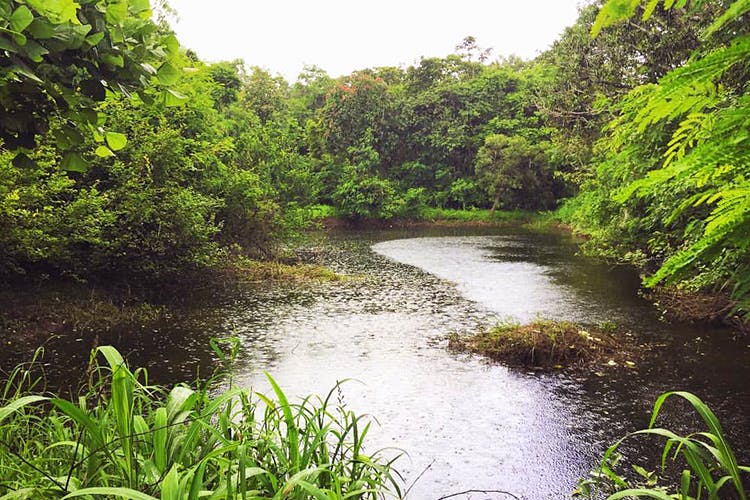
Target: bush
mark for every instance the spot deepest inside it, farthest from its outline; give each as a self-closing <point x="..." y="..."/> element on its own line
<point x="365" y="196"/>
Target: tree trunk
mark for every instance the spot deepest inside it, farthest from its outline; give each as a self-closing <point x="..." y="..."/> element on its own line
<point x="495" y="204"/>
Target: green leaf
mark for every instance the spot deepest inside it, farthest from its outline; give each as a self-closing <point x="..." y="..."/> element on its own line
<point x="103" y="152"/>
<point x="111" y="492"/>
<point x="34" y="51"/>
<point x="649" y="9"/>
<point x="21" y="160"/>
<point x="173" y="98"/>
<point x="612" y="12"/>
<point x="138" y="6"/>
<point x="21" y="18"/>
<point x="41" y="29"/>
<point x="67" y="137"/>
<point x="168" y="74"/>
<point x="117" y="12"/>
<point x="6" y="44"/>
<point x="74" y="162"/>
<point x="172" y="44"/>
<point x="19" y="403"/>
<point x="17" y="37"/>
<point x="640" y="493"/>
<point x="115" y="140"/>
<point x="94" y="39"/>
<point x="115" y="60"/>
<point x="58" y="11"/>
<point x="736" y="9"/>
<point x="170" y="486"/>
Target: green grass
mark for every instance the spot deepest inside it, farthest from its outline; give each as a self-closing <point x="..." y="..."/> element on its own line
<point x="239" y="268"/>
<point x="475" y="215"/>
<point x="542" y="344"/>
<point x="709" y="466"/>
<point x="122" y="438"/>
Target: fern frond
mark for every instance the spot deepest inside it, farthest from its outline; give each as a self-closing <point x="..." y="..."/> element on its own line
<point x="735" y="10"/>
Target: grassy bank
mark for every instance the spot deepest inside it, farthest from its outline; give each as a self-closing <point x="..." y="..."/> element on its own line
<point x="35" y="312"/>
<point x="545" y="344"/>
<point x="328" y="217"/>
<point x="123" y="438"/>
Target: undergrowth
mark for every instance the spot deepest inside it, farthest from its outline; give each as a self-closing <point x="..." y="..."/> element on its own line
<point x="124" y="438"/>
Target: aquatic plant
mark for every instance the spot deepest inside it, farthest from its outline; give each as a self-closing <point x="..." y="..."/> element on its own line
<point x="124" y="438"/>
<point x="540" y="344"/>
<point x="710" y="468"/>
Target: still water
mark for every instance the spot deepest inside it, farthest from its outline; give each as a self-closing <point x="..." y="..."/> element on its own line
<point x="465" y="424"/>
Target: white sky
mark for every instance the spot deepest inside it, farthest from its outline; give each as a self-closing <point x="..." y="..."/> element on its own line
<point x="342" y="36"/>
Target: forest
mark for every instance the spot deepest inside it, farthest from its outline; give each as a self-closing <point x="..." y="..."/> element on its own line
<point x="125" y="158"/>
<point x="123" y="153"/>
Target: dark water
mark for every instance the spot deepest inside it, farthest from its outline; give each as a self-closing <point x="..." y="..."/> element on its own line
<point x="465" y="424"/>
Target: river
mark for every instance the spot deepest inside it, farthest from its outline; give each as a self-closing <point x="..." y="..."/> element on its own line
<point x="465" y="423"/>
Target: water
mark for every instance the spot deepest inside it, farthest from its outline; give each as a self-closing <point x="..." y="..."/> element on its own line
<point x="466" y="424"/>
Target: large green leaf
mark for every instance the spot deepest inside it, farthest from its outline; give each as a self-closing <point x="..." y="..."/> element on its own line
<point x="110" y="492"/>
<point x="103" y="152"/>
<point x="21" y="18"/>
<point x="168" y="74"/>
<point x="173" y="98"/>
<point x="116" y="12"/>
<point x="74" y="162"/>
<point x="19" y="403"/>
<point x="115" y="140"/>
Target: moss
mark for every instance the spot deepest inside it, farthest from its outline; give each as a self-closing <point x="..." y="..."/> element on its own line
<point x="544" y="344"/>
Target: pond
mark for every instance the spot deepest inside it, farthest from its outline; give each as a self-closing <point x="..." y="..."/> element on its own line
<point x="465" y="423"/>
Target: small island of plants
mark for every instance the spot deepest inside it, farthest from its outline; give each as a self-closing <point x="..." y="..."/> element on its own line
<point x="544" y="344"/>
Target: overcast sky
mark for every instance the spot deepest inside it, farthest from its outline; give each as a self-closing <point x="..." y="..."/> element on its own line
<point x="342" y="36"/>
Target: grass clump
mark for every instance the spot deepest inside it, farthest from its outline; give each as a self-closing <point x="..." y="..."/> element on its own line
<point x="542" y="344"/>
<point x="240" y="268"/>
<point x="122" y="438"/>
<point x="709" y="467"/>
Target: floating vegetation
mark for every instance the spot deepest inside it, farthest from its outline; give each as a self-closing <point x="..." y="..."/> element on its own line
<point x="545" y="344"/>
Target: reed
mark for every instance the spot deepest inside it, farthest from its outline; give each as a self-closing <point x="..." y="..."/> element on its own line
<point x="124" y="438"/>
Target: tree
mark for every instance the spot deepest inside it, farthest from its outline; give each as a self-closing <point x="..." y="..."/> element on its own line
<point x="513" y="172"/>
<point x="694" y="190"/>
<point x="62" y="58"/>
<point x="580" y="78"/>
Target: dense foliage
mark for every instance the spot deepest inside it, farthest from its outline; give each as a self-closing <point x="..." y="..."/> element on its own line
<point x="122" y="153"/>
<point x="670" y="188"/>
